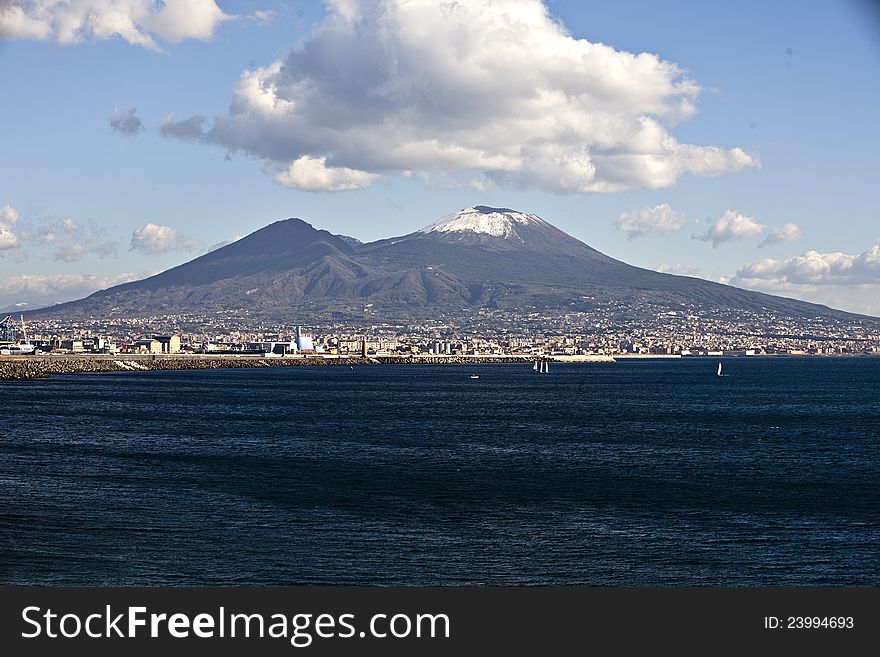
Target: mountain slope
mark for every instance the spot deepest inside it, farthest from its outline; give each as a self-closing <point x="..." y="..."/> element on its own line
<point x="530" y="260"/>
<point x="479" y="257"/>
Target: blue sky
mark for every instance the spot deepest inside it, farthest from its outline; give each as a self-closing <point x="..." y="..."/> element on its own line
<point x="760" y="121"/>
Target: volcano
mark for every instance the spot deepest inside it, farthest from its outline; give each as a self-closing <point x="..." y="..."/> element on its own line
<point x="478" y="257"/>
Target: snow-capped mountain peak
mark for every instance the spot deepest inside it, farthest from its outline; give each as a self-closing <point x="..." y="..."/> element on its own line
<point x="481" y="219"/>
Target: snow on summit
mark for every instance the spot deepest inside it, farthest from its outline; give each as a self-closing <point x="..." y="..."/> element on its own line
<point x="497" y="222"/>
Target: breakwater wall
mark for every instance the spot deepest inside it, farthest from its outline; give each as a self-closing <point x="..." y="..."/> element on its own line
<point x="34" y="367"/>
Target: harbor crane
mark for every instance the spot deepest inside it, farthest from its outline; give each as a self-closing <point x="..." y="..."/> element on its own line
<point x="5" y="327"/>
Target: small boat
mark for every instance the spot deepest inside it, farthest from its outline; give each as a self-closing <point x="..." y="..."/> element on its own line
<point x="20" y="347"/>
<point x="535" y="366"/>
<point x="16" y="349"/>
<point x="719" y="370"/>
<point x="474" y="376"/>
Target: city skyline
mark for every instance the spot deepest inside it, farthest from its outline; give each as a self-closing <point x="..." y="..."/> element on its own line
<point x="728" y="143"/>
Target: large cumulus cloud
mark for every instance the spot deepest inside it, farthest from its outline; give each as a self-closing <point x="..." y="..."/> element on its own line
<point x="483" y="91"/>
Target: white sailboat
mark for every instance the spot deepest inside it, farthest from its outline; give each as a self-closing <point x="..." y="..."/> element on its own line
<point x="535" y="367"/>
<point x="719" y="370"/>
<point x="547" y="368"/>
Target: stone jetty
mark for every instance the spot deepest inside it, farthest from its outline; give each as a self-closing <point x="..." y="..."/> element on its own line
<point x="34" y="367"/>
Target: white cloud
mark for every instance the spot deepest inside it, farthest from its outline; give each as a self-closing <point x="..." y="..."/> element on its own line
<point x="682" y="270"/>
<point x="34" y="290"/>
<point x="8" y="215"/>
<point x="788" y="233"/>
<point x="153" y="239"/>
<point x="262" y="17"/>
<point x="837" y="279"/>
<point x="8" y="239"/>
<point x="311" y="174"/>
<point x="125" y="121"/>
<point x="139" y="22"/>
<point x="68" y="240"/>
<point x="74" y="251"/>
<point x="220" y="245"/>
<point x="814" y="268"/>
<point x="731" y="226"/>
<point x="659" y="219"/>
<point x="16" y="23"/>
<point x="486" y="90"/>
<point x="8" y="219"/>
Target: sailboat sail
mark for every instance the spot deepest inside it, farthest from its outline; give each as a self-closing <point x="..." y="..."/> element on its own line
<point x="535" y="366"/>
<point x="719" y="369"/>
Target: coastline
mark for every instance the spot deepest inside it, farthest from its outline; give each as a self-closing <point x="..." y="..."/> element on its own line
<point x="36" y="367"/>
<point x="14" y="368"/>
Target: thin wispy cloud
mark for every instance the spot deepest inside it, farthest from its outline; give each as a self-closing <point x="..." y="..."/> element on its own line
<point x="34" y="290"/>
<point x="682" y="270"/>
<point x="221" y="244"/>
<point x="65" y="240"/>
<point x="263" y="17"/>
<point x="788" y="233"/>
<point x="190" y="128"/>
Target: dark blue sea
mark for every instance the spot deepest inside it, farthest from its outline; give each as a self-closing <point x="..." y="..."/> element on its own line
<point x="625" y="474"/>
